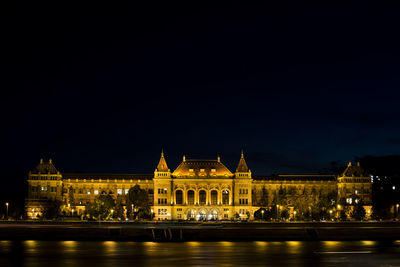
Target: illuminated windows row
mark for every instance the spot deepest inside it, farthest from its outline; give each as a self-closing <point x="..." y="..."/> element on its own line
<point x="119" y="191"/>
<point x="162" y="211"/>
<point x="162" y="201"/>
<point x="44" y="189"/>
<point x="243" y="191"/>
<point x="162" y="190"/>
<point x="243" y="201"/>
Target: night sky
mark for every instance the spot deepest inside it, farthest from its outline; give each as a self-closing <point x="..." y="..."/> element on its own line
<point x="104" y="89"/>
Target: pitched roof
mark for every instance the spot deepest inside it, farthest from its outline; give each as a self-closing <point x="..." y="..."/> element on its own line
<point x="242" y="166"/>
<point x="354" y="171"/>
<point x="195" y="167"/>
<point x="105" y="176"/>
<point x="296" y="177"/>
<point x="162" y="164"/>
<point x="45" y="168"/>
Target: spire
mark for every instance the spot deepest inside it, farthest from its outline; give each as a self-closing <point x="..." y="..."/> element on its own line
<point x="219" y="159"/>
<point x="162" y="164"/>
<point x="242" y="166"/>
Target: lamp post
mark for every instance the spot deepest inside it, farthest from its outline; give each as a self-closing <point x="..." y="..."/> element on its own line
<point x="7" y="208"/>
<point x="294" y="215"/>
<point x="277" y="211"/>
<point x="397" y="210"/>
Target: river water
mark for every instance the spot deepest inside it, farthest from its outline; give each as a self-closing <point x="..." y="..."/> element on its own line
<point x="111" y="253"/>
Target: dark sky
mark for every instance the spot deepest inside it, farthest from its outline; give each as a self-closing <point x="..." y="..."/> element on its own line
<point x="104" y="89"/>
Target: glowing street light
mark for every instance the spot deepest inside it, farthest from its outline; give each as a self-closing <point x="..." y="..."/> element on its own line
<point x="7" y="208"/>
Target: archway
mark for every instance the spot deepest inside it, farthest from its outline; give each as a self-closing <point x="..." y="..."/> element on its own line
<point x="190" y="196"/>
<point x="190" y="215"/>
<point x="179" y="197"/>
<point x="202" y="197"/>
<point x="214" y="197"/>
<point x="214" y="215"/>
<point x="225" y="197"/>
<point x="202" y="215"/>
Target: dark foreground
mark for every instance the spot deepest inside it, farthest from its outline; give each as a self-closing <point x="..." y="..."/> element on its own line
<point x="200" y="231"/>
<point x="224" y="253"/>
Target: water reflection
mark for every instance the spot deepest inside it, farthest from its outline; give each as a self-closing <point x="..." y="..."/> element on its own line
<point x="111" y="253"/>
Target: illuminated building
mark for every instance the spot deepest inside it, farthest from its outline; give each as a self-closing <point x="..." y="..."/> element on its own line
<point x="199" y="189"/>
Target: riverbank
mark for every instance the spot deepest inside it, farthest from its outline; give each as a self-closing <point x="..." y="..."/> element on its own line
<point x="173" y="231"/>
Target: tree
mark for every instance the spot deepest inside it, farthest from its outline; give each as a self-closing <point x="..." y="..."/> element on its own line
<point x="343" y="215"/>
<point x="359" y="211"/>
<point x="119" y="209"/>
<point x="101" y="207"/>
<point x="52" y="210"/>
<point x="71" y="197"/>
<point x="285" y="214"/>
<point x="138" y="199"/>
<point x="264" y="197"/>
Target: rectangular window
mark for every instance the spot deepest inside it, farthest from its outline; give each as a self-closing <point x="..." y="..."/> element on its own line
<point x="126" y="191"/>
<point x="88" y="192"/>
<point x="119" y="191"/>
<point x="44" y="188"/>
<point x="213" y="170"/>
<point x="96" y="192"/>
<point x="191" y="170"/>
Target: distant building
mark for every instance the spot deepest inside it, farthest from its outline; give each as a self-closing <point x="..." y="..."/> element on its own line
<point x="201" y="189"/>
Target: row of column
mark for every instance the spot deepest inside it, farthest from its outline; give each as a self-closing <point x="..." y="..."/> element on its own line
<point x="197" y="196"/>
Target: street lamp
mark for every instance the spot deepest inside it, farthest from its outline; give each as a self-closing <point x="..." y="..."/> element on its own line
<point x="294" y="215"/>
<point x="7" y="208"/>
<point x="277" y="211"/>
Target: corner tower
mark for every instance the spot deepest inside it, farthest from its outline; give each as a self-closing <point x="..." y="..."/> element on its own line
<point x="162" y="190"/>
<point x="162" y="168"/>
<point x="242" y="193"/>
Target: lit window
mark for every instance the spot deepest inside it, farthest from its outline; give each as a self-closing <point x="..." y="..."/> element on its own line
<point x="126" y="191"/>
<point x="96" y="192"/>
<point x="88" y="192"/>
<point x="165" y="190"/>
<point x="213" y="170"/>
<point x="356" y="192"/>
<point x="44" y="188"/>
<point x="119" y="191"/>
<point x="191" y="170"/>
<point x="201" y="170"/>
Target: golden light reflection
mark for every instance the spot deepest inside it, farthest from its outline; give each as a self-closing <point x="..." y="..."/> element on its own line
<point x="331" y="244"/>
<point x="193" y="244"/>
<point x="226" y="243"/>
<point x="69" y="244"/>
<point x="111" y="246"/>
<point x="368" y="242"/>
<point x="261" y="243"/>
<point x="150" y="244"/>
<point x="31" y="243"/>
<point x="293" y="243"/>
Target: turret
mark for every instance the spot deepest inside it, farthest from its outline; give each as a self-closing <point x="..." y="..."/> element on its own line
<point x="242" y="171"/>
<point x="162" y="168"/>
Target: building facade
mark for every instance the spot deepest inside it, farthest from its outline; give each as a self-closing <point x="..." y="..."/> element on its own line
<point x="201" y="190"/>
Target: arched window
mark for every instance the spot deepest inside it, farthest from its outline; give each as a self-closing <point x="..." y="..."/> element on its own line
<point x="214" y="197"/>
<point x="202" y="197"/>
<point x="190" y="196"/>
<point x="179" y="197"/>
<point x="225" y="197"/>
